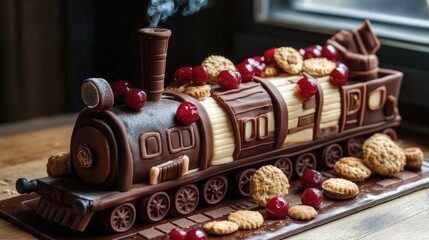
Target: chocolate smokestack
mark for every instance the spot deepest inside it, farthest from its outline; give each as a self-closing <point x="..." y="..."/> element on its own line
<point x="153" y="55"/>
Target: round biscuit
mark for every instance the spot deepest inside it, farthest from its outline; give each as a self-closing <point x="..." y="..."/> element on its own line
<point x="268" y="182"/>
<point x="352" y="168"/>
<point x="222" y="227"/>
<point x="302" y="212"/>
<point x="246" y="219"/>
<point x="318" y="67"/>
<point x="215" y="64"/>
<point x="289" y="59"/>
<point x="340" y="188"/>
<point x="382" y="155"/>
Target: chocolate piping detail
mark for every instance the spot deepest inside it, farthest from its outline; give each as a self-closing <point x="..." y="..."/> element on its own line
<point x="281" y="111"/>
<point x="319" y="106"/>
<point x="204" y="127"/>
<point x="347" y="90"/>
<point x="248" y="101"/>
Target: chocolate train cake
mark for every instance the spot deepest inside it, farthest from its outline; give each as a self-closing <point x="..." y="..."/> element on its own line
<point x="166" y="151"/>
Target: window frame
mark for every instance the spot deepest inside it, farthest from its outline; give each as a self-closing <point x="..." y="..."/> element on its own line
<point x="143" y="143"/>
<point x="413" y="35"/>
<point x="179" y="131"/>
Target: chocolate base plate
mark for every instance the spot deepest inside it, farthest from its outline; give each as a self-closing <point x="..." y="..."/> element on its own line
<point x="375" y="190"/>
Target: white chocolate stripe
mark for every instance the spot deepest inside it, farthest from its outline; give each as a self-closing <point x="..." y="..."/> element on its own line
<point x="223" y="135"/>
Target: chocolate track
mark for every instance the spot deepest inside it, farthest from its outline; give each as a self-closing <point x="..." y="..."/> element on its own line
<point x="374" y="191"/>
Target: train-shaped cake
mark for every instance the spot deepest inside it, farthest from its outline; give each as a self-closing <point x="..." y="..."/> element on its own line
<point x="127" y="164"/>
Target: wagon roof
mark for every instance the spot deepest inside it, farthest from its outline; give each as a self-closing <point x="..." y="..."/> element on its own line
<point x="249" y="100"/>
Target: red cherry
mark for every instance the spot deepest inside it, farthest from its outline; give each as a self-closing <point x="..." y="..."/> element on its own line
<point x="258" y="67"/>
<point x="339" y="76"/>
<point x="228" y="79"/>
<point x="311" y="179"/>
<point x="306" y="87"/>
<point x="277" y="208"/>
<point x="246" y="70"/>
<point x="330" y="52"/>
<point x="187" y="113"/>
<point x="342" y="65"/>
<point x="196" y="234"/>
<point x="177" y="234"/>
<point x="302" y="52"/>
<point x="251" y="61"/>
<point x="120" y="89"/>
<point x="269" y="55"/>
<point x="259" y="59"/>
<point x="238" y="76"/>
<point x="183" y="75"/>
<point x="135" y="99"/>
<point x="260" y="70"/>
<point x="312" y="197"/>
<point x="313" y="51"/>
<point x="199" y="75"/>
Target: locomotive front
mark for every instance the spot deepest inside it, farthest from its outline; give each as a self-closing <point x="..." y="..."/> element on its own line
<point x="113" y="147"/>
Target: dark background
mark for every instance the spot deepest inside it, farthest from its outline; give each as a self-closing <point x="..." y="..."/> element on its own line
<point x="48" y="47"/>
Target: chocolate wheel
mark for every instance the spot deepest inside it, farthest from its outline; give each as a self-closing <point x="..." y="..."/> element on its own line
<point x="120" y="218"/>
<point x="391" y="133"/>
<point x="285" y="164"/>
<point x="185" y="200"/>
<point x="305" y="162"/>
<point x="331" y="154"/>
<point x="155" y="207"/>
<point x="214" y="190"/>
<point x="242" y="182"/>
<point x="354" y="146"/>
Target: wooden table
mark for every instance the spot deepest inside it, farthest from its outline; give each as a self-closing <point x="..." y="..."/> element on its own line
<point x="25" y="148"/>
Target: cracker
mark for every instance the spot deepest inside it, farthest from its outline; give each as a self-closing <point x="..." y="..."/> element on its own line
<point x="382" y="155"/>
<point x="318" y="67"/>
<point x="271" y="70"/>
<point x="222" y="227"/>
<point x="268" y="182"/>
<point x="199" y="92"/>
<point x="246" y="219"/>
<point x="352" y="168"/>
<point x="58" y="164"/>
<point x="302" y="212"/>
<point x="215" y="64"/>
<point x="414" y="158"/>
<point x="340" y="188"/>
<point x="175" y="87"/>
<point x="288" y="59"/>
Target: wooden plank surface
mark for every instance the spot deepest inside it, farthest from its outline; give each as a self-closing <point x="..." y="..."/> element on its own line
<point x="25" y="155"/>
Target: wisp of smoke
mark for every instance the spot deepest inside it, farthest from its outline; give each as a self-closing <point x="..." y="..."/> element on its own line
<point x="194" y="6"/>
<point x="161" y="10"/>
